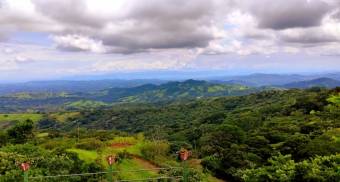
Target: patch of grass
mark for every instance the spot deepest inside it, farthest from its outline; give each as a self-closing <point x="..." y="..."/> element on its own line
<point x="335" y="99"/>
<point x="85" y="155"/>
<point x="20" y="117"/>
<point x="42" y="135"/>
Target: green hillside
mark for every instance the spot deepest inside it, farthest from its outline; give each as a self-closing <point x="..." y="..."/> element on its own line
<point x="273" y="135"/>
<point x="190" y="89"/>
<point x="241" y="132"/>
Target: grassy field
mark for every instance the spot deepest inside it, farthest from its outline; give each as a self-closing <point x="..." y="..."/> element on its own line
<point x="20" y="117"/>
<point x="85" y="155"/>
<point x="127" y="167"/>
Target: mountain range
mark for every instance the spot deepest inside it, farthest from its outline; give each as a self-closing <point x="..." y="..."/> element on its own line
<point x="53" y="95"/>
<point x="319" y="82"/>
<point x="149" y="93"/>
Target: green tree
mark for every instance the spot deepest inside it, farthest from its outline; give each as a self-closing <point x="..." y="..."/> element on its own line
<point x="21" y="132"/>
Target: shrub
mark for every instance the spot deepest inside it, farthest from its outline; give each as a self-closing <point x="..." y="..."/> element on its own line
<point x="151" y="150"/>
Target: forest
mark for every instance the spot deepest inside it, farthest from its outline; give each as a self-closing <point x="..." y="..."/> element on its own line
<point x="273" y="135"/>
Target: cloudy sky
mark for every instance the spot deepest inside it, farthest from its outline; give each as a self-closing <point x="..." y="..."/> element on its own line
<point x="48" y="39"/>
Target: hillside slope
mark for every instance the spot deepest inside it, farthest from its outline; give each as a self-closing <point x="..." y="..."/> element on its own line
<point x="231" y="134"/>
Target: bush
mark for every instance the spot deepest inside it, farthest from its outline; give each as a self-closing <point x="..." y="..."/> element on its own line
<point x="123" y="155"/>
<point x="21" y="132"/>
<point x="152" y="150"/>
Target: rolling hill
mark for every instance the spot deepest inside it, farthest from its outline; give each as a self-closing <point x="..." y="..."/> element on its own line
<point x="190" y="89"/>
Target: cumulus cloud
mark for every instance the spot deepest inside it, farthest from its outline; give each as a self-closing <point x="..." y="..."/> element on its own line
<point x="138" y="26"/>
<point x="78" y="43"/>
<point x="308" y="36"/>
<point x="289" y="13"/>
<point x="153" y="27"/>
<point x="126" y="26"/>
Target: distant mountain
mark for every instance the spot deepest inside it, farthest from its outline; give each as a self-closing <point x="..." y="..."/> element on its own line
<point x="71" y="86"/>
<point x="123" y="81"/>
<point x="319" y="82"/>
<point x="150" y="93"/>
<point x="260" y="79"/>
<point x="189" y="89"/>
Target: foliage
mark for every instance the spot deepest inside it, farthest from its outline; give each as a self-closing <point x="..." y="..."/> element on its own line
<point x="42" y="163"/>
<point x="21" y="132"/>
<point x="155" y="149"/>
<point x="283" y="168"/>
<point x="232" y="133"/>
<point x="275" y="135"/>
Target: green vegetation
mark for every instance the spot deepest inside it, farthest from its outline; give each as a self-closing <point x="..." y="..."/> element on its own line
<point x="20" y="117"/>
<point x="85" y="155"/>
<point x="283" y="168"/>
<point x="64" y="116"/>
<point x="274" y="135"/>
<point x="334" y="99"/>
<point x="231" y="134"/>
<point x="168" y="92"/>
<point x="130" y="165"/>
<point x="85" y="104"/>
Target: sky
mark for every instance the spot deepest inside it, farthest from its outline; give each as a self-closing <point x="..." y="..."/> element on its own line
<point x="53" y="39"/>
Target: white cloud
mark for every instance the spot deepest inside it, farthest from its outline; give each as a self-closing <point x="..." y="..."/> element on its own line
<point x="79" y="43"/>
<point x="167" y="34"/>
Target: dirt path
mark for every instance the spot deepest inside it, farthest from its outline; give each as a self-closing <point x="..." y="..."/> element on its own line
<point x="145" y="163"/>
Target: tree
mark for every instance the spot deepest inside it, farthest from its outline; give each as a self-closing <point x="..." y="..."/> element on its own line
<point x="21" y="132"/>
<point x="281" y="168"/>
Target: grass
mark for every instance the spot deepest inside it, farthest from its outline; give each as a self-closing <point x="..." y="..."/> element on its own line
<point x="126" y="166"/>
<point x="335" y="99"/>
<point x="85" y="155"/>
<point x="42" y="135"/>
<point x="129" y="168"/>
<point x="20" y="117"/>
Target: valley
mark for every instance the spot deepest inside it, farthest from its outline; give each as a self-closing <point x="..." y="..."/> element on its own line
<point x="232" y="138"/>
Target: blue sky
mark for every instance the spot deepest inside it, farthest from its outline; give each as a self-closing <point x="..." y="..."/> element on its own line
<point x="55" y="39"/>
